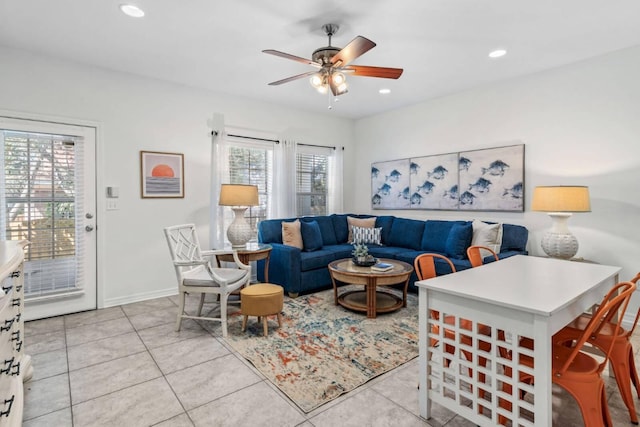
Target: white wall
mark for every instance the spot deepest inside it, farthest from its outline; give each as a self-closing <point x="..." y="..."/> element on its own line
<point x="580" y="125"/>
<point x="136" y="114"/>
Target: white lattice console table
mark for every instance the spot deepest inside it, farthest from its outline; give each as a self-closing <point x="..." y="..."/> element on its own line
<point x="15" y="365"/>
<point x="522" y="296"/>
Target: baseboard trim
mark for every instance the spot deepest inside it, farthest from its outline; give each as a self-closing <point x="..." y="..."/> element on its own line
<point x="142" y="296"/>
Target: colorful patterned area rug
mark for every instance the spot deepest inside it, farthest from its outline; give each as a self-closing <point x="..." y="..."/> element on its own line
<point x="322" y="350"/>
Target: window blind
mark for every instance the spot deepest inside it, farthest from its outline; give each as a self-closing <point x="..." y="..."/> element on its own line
<point x="312" y="181"/>
<point x="41" y="196"/>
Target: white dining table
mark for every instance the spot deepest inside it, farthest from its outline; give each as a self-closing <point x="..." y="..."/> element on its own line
<point x="522" y="296"/>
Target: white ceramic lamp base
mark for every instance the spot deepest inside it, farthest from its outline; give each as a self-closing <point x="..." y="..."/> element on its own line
<point x="559" y="242"/>
<point x="239" y="232"/>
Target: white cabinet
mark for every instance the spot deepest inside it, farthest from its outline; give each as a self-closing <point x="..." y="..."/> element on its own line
<point x="15" y="365"/>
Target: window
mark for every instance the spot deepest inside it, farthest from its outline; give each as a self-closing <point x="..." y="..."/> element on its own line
<point x="312" y="183"/>
<point x="293" y="179"/>
<point x="251" y="165"/>
<point x="39" y="193"/>
<point x="39" y="201"/>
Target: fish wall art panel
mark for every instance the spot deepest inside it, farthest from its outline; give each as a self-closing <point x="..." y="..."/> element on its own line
<point x="434" y="182"/>
<point x="492" y="179"/>
<point x="390" y="185"/>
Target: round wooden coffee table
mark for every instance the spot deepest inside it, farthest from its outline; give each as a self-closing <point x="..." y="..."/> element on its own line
<point x="370" y="299"/>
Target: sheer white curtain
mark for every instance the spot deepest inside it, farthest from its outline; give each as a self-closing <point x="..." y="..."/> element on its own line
<point x="219" y="175"/>
<point x="335" y="201"/>
<point x="282" y="203"/>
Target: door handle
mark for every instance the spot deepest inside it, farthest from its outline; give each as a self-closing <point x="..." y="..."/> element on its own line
<point x="89" y="228"/>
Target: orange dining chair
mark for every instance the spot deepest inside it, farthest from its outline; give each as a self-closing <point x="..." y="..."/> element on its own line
<point x="425" y="267"/>
<point x="621" y="356"/>
<point x="477" y="253"/>
<point x="577" y="372"/>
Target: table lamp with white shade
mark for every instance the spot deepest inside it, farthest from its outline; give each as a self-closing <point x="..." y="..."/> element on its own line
<point x="239" y="197"/>
<point x="560" y="202"/>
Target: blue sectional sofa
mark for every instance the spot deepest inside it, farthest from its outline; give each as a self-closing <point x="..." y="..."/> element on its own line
<point x="302" y="271"/>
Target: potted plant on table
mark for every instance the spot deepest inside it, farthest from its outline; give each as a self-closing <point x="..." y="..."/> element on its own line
<point x="361" y="254"/>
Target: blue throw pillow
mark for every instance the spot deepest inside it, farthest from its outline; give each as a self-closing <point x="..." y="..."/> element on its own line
<point x="311" y="235"/>
<point x="326" y="229"/>
<point x="436" y="233"/>
<point x="459" y="240"/>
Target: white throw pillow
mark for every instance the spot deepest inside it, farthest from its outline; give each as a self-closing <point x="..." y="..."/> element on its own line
<point x="489" y="235"/>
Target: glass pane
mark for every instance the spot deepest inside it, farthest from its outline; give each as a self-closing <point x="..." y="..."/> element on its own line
<point x="250" y="166"/>
<point x="40" y="207"/>
<point x="311" y="184"/>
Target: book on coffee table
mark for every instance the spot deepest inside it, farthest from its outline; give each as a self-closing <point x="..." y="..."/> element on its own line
<point x="382" y="266"/>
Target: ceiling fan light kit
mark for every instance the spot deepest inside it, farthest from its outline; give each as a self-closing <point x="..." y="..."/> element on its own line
<point x="333" y="64"/>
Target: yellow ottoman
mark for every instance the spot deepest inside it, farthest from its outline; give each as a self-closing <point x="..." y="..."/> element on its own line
<point x="261" y="300"/>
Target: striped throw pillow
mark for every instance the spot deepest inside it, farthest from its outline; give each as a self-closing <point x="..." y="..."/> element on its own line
<point x="366" y="235"/>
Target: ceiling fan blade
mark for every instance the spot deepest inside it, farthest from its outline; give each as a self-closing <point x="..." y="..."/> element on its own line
<point x="354" y="49"/>
<point x="366" y="71"/>
<point x="292" y="78"/>
<point x="292" y="57"/>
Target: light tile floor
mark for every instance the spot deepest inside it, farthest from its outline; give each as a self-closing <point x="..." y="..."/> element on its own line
<point x="126" y="366"/>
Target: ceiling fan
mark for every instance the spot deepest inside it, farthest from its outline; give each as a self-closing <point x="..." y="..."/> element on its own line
<point x="333" y="63"/>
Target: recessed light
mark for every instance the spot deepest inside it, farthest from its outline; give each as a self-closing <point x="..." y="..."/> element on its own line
<point x="132" y="10"/>
<point x="384" y="91"/>
<point x="497" y="53"/>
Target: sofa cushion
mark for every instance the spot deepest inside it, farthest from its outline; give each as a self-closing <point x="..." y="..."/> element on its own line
<point x="459" y="240"/>
<point x="326" y="229"/>
<point x="340" y="251"/>
<point x="385" y="222"/>
<point x="291" y="234"/>
<point x="340" y="227"/>
<point x="435" y="235"/>
<point x="366" y="235"/>
<point x="406" y="233"/>
<point x="359" y="222"/>
<point x="316" y="259"/>
<point x="385" y="251"/>
<point x="311" y="235"/>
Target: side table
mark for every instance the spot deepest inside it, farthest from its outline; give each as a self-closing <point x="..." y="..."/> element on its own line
<point x="251" y="252"/>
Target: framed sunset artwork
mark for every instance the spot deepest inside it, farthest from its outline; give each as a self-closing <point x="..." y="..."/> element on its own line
<point x="161" y="175"/>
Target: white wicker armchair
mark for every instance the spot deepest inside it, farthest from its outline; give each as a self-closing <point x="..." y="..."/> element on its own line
<point x="196" y="275"/>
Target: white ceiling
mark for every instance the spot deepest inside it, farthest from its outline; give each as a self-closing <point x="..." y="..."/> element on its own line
<point x="441" y="44"/>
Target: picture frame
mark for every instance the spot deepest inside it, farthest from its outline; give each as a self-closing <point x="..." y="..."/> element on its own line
<point x="161" y="175"/>
<point x="434" y="182"/>
<point x="488" y="179"/>
<point x="390" y="185"/>
<point x="492" y="179"/>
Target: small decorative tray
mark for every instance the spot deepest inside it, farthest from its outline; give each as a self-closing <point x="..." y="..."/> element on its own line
<point x="365" y="263"/>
